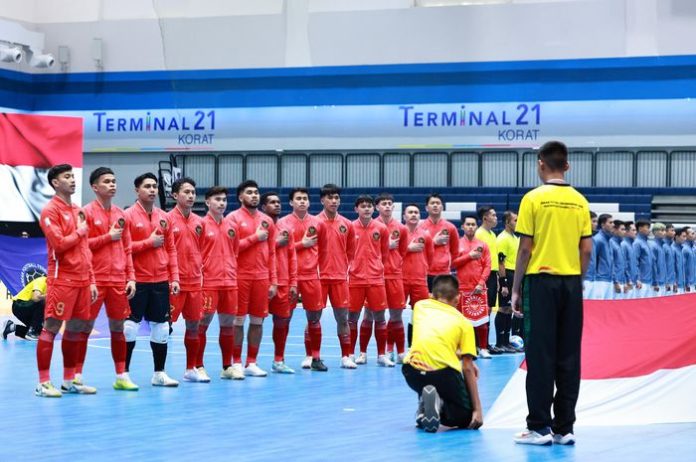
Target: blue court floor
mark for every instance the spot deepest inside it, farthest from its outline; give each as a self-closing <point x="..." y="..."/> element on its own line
<point x="359" y="415"/>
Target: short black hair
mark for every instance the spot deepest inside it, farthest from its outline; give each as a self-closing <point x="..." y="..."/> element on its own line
<point x="214" y="191"/>
<point x="56" y="170"/>
<point x="473" y="217"/>
<point x="642" y="224"/>
<point x="412" y="204"/>
<point x="555" y="155"/>
<point x="364" y="198"/>
<point x="445" y="287"/>
<point x="176" y="186"/>
<point x="434" y="196"/>
<point x="266" y="195"/>
<point x="683" y="230"/>
<point x="603" y="218"/>
<point x="98" y="172"/>
<point x="246" y="184"/>
<point x="618" y="224"/>
<point x="140" y="178"/>
<point x="483" y="210"/>
<point x="294" y="191"/>
<point x="329" y="189"/>
<point x="669" y="225"/>
<point x="592" y="214"/>
<point x="507" y="216"/>
<point x="384" y="196"/>
<point x="627" y="224"/>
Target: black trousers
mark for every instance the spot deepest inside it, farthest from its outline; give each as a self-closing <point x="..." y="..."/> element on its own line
<point x="450" y="385"/>
<point x="492" y="289"/>
<point x="553" y="324"/>
<point x="31" y="314"/>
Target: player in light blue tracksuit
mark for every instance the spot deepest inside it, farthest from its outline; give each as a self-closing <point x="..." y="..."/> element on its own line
<point x="670" y="276"/>
<point x="631" y="269"/>
<point x="592" y="266"/>
<point x="619" y="269"/>
<point x="689" y="260"/>
<point x="659" y="261"/>
<point x="677" y="246"/>
<point x="603" y="285"/>
<point x="644" y="260"/>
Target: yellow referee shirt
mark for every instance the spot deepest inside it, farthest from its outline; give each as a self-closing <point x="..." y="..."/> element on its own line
<point x="37" y="284"/>
<point x="508" y="244"/>
<point x="441" y="335"/>
<point x="556" y="217"/>
<point x="489" y="238"/>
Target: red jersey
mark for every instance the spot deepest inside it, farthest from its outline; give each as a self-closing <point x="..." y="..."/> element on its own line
<point x="152" y="264"/>
<point x="112" y="260"/>
<point x="69" y="257"/>
<point x="336" y="247"/>
<point x="187" y="232"/>
<point x="371" y="253"/>
<point x="219" y="249"/>
<point x="416" y="264"/>
<point x="472" y="272"/>
<point x="307" y="257"/>
<point x="256" y="259"/>
<point x="395" y="256"/>
<point x="444" y="254"/>
<point x="286" y="257"/>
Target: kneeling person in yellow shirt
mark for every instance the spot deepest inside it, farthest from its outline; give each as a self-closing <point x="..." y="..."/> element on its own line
<point x="440" y="365"/>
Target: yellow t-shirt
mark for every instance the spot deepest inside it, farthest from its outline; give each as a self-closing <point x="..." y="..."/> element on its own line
<point x="441" y="335"/>
<point x="37" y="284"/>
<point x="556" y="217"/>
<point x="508" y="244"/>
<point x="489" y="238"/>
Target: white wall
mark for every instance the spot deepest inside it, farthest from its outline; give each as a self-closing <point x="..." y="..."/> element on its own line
<point x="214" y="34"/>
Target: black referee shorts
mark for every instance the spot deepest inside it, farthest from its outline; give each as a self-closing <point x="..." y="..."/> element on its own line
<point x="504" y="301"/>
<point x="151" y="301"/>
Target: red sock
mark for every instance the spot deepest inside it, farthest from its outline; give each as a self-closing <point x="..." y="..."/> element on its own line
<point x="237" y="353"/>
<point x="381" y="336"/>
<point x="365" y="335"/>
<point x="315" y="337"/>
<point x="396" y="329"/>
<point x="44" y="352"/>
<point x="192" y="344"/>
<point x="482" y="335"/>
<point x="70" y="346"/>
<point x="226" y="345"/>
<point x="353" y="335"/>
<point x="252" y="353"/>
<point x="81" y="352"/>
<point x="118" y="351"/>
<point x="202" y="340"/>
<point x="307" y="342"/>
<point x="281" y="326"/>
<point x="344" y="340"/>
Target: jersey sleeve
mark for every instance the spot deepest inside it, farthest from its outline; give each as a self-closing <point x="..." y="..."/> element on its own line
<point x="486" y="258"/>
<point x="467" y="344"/>
<point x="173" y="264"/>
<point x="128" y="251"/>
<point x="586" y="223"/>
<point x="292" y="261"/>
<point x="525" y="217"/>
<point x="51" y="229"/>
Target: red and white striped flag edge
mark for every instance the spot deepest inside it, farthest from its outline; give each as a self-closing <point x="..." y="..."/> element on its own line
<point x="638" y="366"/>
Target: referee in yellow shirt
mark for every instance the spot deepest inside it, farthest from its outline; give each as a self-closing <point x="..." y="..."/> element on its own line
<point x="508" y="244"/>
<point x="440" y="364"/>
<point x="555" y="246"/>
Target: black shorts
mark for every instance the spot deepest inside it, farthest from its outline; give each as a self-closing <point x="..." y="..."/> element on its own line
<point x="506" y="300"/>
<point x="492" y="289"/>
<point x="151" y="301"/>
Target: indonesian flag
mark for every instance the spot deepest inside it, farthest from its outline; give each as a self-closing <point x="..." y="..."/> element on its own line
<point x="638" y="366"/>
<point x="29" y="146"/>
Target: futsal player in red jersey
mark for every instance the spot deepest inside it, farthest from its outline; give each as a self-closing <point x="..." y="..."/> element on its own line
<point x="71" y="286"/>
<point x="110" y="243"/>
<point x="219" y="250"/>
<point x="336" y="251"/>
<point x="186" y="230"/>
<point x="366" y="275"/>
<point x="257" y="277"/>
<point x="156" y="275"/>
<point x="306" y="231"/>
<point x="417" y="260"/>
<point x="283" y="304"/>
<point x="445" y="238"/>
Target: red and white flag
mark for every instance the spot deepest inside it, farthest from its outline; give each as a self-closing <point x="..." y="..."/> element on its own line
<point x="29" y="146"/>
<point x="638" y="366"/>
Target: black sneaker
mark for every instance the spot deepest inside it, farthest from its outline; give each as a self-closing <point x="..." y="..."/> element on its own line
<point x="33" y="334"/>
<point x="495" y="350"/>
<point x="318" y="365"/>
<point x="431" y="409"/>
<point x="9" y="328"/>
<point x="508" y="349"/>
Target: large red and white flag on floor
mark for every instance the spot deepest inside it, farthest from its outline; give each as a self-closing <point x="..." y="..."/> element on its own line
<point x="638" y="366"/>
<point x="29" y="146"/>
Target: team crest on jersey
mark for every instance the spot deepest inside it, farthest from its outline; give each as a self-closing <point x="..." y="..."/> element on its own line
<point x="163" y="224"/>
<point x="375" y="236"/>
<point x="231" y="234"/>
<point x="198" y="230"/>
<point x="81" y="215"/>
<point x="395" y="234"/>
<point x="444" y="232"/>
<point x="421" y="240"/>
<point x="121" y="222"/>
<point x="285" y="233"/>
<point x="311" y="231"/>
<point x="264" y="224"/>
<point x="343" y="229"/>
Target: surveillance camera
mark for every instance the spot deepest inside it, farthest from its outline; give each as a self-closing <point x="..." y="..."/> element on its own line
<point x="46" y="60"/>
<point x="10" y="54"/>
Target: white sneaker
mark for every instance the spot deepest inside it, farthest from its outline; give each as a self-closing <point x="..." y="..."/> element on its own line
<point x="280" y="367"/>
<point x="383" y="361"/>
<point x="203" y="375"/>
<point x="77" y="388"/>
<point x="485" y="354"/>
<point x="347" y="363"/>
<point x="78" y="379"/>
<point x="254" y="371"/>
<point x="528" y="436"/>
<point x="566" y="440"/>
<point x="307" y="362"/>
<point x="400" y="358"/>
<point x="236" y="372"/>
<point x="362" y="359"/>
<point x="161" y="379"/>
<point x="192" y="375"/>
<point x="47" y="390"/>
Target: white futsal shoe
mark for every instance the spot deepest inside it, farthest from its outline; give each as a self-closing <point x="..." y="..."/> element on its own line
<point x="235" y="372"/>
<point x="193" y="375"/>
<point x="362" y="359"/>
<point x="161" y="379"/>
<point x="383" y="361"/>
<point x="307" y="362"/>
<point x="253" y="370"/>
<point x="348" y="363"/>
<point x="528" y="436"/>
